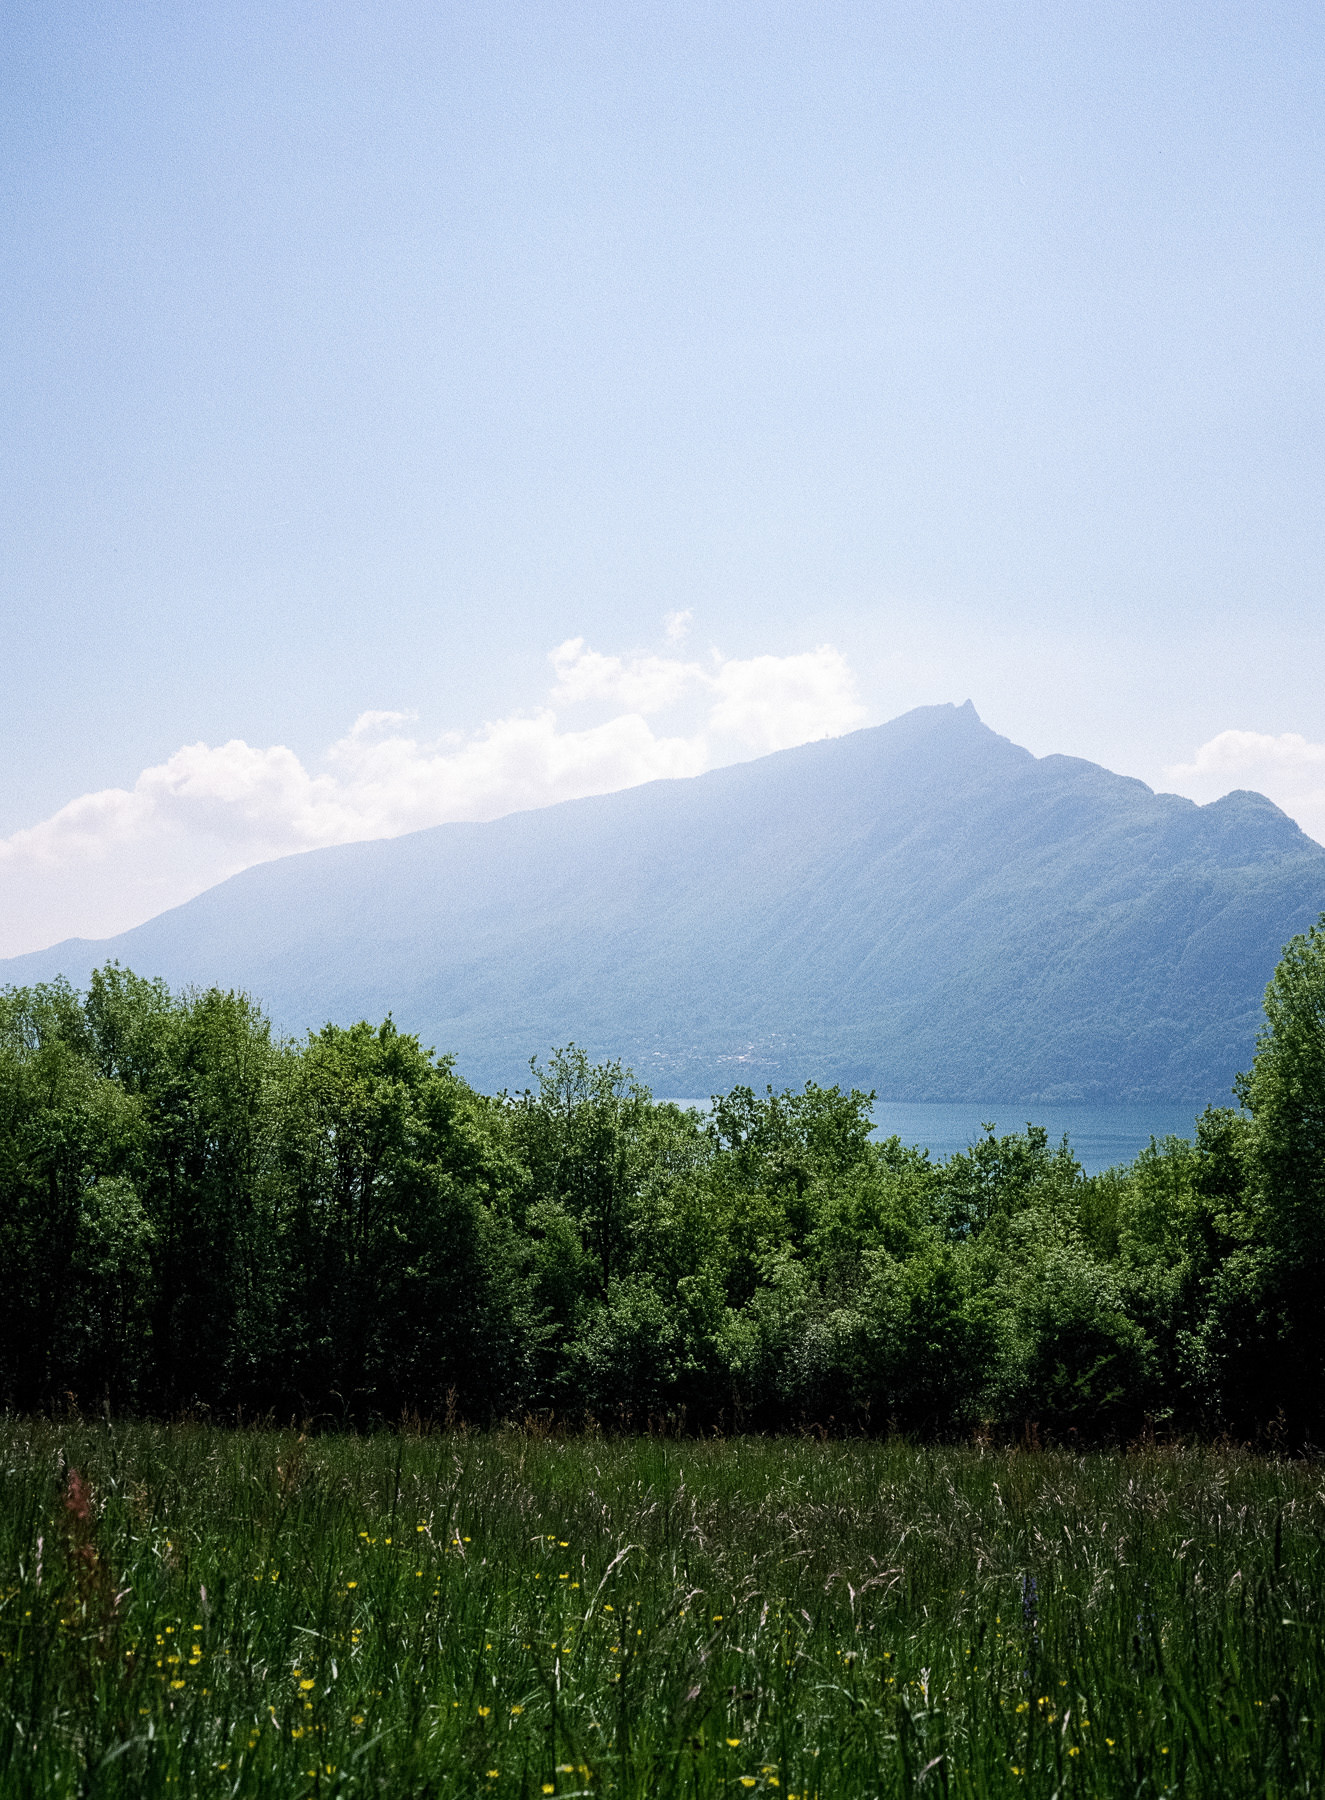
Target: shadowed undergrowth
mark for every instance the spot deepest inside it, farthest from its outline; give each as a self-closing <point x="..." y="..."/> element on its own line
<point x="190" y="1611"/>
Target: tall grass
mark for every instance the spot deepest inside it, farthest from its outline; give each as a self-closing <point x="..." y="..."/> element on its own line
<point x="189" y="1611"/>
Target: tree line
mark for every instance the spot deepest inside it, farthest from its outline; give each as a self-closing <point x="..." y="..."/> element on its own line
<point x="198" y="1214"/>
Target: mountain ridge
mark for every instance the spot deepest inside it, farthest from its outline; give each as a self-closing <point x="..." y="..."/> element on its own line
<point x="923" y="907"/>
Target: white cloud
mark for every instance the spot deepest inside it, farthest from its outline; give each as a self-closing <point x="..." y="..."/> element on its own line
<point x="1289" y="768"/>
<point x="645" y="684"/>
<point x="772" y="702"/>
<point x="108" y="860"/>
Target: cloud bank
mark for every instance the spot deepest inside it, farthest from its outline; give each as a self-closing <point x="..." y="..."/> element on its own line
<point x="1289" y="769"/>
<point x="109" y="860"/>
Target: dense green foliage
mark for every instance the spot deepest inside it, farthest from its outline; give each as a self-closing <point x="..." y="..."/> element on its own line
<point x="186" y="1611"/>
<point x="195" y="1214"/>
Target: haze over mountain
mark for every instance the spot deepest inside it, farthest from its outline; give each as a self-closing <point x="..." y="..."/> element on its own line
<point x="922" y="907"/>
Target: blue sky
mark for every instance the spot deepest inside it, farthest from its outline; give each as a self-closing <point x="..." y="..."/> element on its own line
<point x="355" y="357"/>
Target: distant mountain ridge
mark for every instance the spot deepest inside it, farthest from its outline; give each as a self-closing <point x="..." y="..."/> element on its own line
<point x="922" y="907"/>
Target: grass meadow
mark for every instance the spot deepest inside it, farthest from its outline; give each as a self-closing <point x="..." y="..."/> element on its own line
<point x="190" y="1611"/>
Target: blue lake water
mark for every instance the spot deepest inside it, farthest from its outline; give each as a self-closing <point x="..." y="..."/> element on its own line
<point x="1100" y="1135"/>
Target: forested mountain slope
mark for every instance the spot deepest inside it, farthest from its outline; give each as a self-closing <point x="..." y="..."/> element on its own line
<point x="922" y="907"/>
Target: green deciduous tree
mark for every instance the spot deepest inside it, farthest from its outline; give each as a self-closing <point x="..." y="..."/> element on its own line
<point x="1283" y="1268"/>
<point x="401" y="1280"/>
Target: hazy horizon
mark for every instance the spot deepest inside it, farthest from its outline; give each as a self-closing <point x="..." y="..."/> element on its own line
<point x="189" y="887"/>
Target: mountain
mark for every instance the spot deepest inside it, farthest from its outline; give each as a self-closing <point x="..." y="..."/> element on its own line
<point x="922" y="907"/>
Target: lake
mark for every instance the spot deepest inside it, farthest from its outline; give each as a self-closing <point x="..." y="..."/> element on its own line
<point x="1100" y="1135"/>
